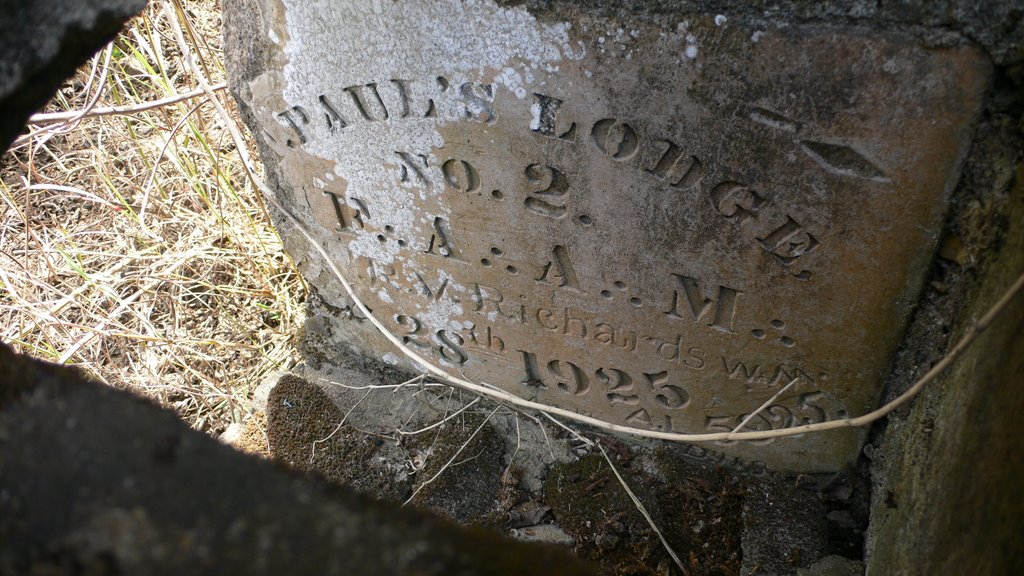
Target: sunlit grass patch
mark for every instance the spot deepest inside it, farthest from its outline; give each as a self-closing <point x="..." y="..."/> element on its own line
<point x="131" y="242"/>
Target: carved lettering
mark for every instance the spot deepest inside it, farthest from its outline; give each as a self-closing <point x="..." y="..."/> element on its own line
<point x="404" y="99"/>
<point x="666" y="395"/>
<point x="653" y="392"/>
<point x="359" y="210"/>
<point x="641" y="417"/>
<point x="784" y="374"/>
<point x="461" y="175"/>
<point x="371" y="107"/>
<point x="479" y="101"/>
<point x="487" y="340"/>
<point x="550" y="187"/>
<point x="544" y="316"/>
<point x="616" y="140"/>
<point x="570" y="324"/>
<point x="395" y="99"/>
<point x="739" y="370"/>
<point x="335" y="122"/>
<point x="441" y="243"/>
<point x="622" y="389"/>
<point x="788" y="242"/>
<point x="483" y="296"/>
<point x="807" y="410"/>
<point x="340" y="209"/>
<point x="701" y="454"/>
<point x="775" y="417"/>
<point x="644" y="419"/>
<point x="737" y="202"/>
<point x="435" y="294"/>
<point x="532" y="378"/>
<point x="450" y="347"/>
<point x="296" y="117"/>
<point x="411" y="335"/>
<point x="448" y="344"/>
<point x="695" y="359"/>
<point x="698" y="306"/>
<point x="763" y="376"/>
<point x="606" y="334"/>
<point x="575" y="383"/>
<point x="350" y="214"/>
<point x="377" y="273"/>
<point x="443" y="84"/>
<point x="559" y="271"/>
<point x="413" y="169"/>
<point x="619" y="384"/>
<point x="688" y="171"/>
<point x="668" y="350"/>
<point x="672" y="351"/>
<point x="544" y="120"/>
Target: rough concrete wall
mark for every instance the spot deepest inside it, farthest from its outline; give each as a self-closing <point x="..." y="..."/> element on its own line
<point x="948" y="471"/>
<point x="42" y="43"/>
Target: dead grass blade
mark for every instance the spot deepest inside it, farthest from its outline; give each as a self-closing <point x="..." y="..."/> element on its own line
<point x="131" y="242"/>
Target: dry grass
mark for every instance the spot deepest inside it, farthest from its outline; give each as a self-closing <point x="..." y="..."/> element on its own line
<point x="134" y="246"/>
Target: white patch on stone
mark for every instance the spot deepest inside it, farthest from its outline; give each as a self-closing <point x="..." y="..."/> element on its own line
<point x="513" y="81"/>
<point x="495" y="41"/>
<point x="322" y="61"/>
<point x="390" y="358"/>
<point x="720" y="19"/>
<point x="535" y="111"/>
<point x="756" y="36"/>
<point x="691" y="46"/>
<point x="439" y="314"/>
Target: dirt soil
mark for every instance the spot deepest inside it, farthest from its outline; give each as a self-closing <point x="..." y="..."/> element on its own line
<point x="485" y="465"/>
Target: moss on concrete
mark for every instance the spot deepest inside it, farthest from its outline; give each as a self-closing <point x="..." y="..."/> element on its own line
<point x="467" y="489"/>
<point x="949" y="471"/>
<point x="303" y="432"/>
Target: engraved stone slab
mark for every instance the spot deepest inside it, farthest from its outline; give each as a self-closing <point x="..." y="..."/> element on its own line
<point x="656" y="221"/>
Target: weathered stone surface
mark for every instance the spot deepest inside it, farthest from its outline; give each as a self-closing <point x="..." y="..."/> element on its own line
<point x="96" y="481"/>
<point x="42" y="43"/>
<point x="658" y="222"/>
